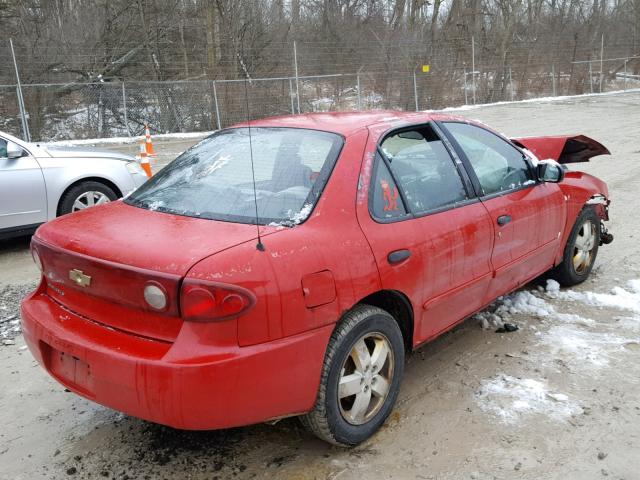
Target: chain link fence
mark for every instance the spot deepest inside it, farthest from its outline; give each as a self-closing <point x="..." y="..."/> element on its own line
<point x="112" y="109"/>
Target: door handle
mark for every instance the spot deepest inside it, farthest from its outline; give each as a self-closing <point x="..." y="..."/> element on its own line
<point x="504" y="219"/>
<point x="398" y="256"/>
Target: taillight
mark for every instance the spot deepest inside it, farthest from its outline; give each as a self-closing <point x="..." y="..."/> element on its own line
<point x="209" y="301"/>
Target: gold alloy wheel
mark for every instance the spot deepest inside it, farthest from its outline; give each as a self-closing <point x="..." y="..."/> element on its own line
<point x="583" y="247"/>
<point x="365" y="378"/>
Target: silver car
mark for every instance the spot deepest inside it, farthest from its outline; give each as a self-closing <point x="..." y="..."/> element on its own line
<point x="41" y="182"/>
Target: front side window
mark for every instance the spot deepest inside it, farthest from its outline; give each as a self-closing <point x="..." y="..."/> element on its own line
<point x="498" y="165"/>
<point x="214" y="179"/>
<point x="424" y="169"/>
<point x="3" y="148"/>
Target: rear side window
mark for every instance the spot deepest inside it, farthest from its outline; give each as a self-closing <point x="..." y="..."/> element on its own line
<point x="385" y="198"/>
<point x="214" y="179"/>
<point x="424" y="169"/>
<point x="498" y="165"/>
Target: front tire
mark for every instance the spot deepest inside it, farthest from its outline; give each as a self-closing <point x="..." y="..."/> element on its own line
<point x="581" y="250"/>
<point x="361" y="377"/>
<point x="84" y="195"/>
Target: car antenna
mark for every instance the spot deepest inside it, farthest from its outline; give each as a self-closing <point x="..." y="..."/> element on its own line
<point x="247" y="79"/>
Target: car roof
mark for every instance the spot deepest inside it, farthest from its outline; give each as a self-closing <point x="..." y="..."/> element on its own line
<point x="346" y="123"/>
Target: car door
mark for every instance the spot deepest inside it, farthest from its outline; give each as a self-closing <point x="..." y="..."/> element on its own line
<point x="527" y="215"/>
<point x="23" y="198"/>
<point x="430" y="236"/>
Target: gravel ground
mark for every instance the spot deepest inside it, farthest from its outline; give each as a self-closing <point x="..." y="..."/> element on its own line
<point x="557" y="399"/>
<point x="10" y="297"/>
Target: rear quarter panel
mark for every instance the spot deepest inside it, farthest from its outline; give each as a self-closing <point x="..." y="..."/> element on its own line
<point x="327" y="255"/>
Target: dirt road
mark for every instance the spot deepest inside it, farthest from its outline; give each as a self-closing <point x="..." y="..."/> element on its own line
<point x="559" y="398"/>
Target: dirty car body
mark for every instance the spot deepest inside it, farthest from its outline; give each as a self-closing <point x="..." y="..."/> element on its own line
<point x="378" y="232"/>
<point x="39" y="182"/>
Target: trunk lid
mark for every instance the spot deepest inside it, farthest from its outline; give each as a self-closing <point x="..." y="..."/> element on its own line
<point x="563" y="148"/>
<point x="97" y="262"/>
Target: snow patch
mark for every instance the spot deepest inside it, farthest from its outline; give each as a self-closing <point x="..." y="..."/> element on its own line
<point x="581" y="347"/>
<point x="620" y="298"/>
<point x="510" y="398"/>
<point x="535" y="100"/>
<point x="295" y="218"/>
<point x="572" y="340"/>
<point x="552" y="286"/>
<point x="302" y="215"/>
<point x="488" y="320"/>
<point x="533" y="303"/>
<point x="153" y="206"/>
<point x="522" y="302"/>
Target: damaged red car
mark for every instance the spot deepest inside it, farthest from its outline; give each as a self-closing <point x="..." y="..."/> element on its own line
<point x="285" y="268"/>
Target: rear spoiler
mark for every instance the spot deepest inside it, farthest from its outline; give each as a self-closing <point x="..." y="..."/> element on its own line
<point x="563" y="148"/>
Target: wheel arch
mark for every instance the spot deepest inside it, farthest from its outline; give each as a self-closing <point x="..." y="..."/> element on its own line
<point x="398" y="305"/>
<point x="581" y="191"/>
<point x="102" y="180"/>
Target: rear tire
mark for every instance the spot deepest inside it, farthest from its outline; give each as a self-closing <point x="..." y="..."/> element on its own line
<point x="581" y="250"/>
<point x="360" y="383"/>
<point x="84" y="195"/>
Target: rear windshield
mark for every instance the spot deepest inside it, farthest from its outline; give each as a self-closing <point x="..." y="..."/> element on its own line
<point x="214" y="180"/>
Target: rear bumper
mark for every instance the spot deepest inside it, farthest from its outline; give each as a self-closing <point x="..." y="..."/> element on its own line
<point x="228" y="387"/>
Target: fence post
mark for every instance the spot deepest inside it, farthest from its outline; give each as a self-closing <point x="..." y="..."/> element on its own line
<point x="590" y="77"/>
<point x="124" y="107"/>
<point x="473" y="68"/>
<point x="295" y="63"/>
<point x="359" y="94"/>
<point x="23" y="112"/>
<point x="215" y="101"/>
<point x="625" y="74"/>
<point x="601" y="60"/>
<point x="466" y="101"/>
<point x="511" y="83"/>
<point x="553" y="79"/>
<point x="293" y="109"/>
<point x="415" y="90"/>
<point x="100" y="113"/>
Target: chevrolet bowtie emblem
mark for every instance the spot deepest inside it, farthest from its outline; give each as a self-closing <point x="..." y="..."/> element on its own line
<point x="79" y="278"/>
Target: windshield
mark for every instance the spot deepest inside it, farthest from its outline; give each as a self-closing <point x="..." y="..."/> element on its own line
<point x="214" y="180"/>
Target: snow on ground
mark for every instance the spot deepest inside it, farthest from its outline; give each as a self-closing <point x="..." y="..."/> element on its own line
<point x="510" y="398"/>
<point x="535" y="100"/>
<point x="581" y="348"/>
<point x="534" y="303"/>
<point x="620" y="298"/>
<point x="526" y="302"/>
<point x="578" y="343"/>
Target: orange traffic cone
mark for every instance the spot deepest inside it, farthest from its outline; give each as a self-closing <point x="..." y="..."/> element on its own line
<point x="149" y="143"/>
<point x="144" y="159"/>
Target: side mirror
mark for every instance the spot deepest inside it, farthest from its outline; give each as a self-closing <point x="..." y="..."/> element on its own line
<point x="550" y="171"/>
<point x="13" y="150"/>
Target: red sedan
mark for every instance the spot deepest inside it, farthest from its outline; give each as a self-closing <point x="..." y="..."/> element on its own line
<point x="285" y="267"/>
